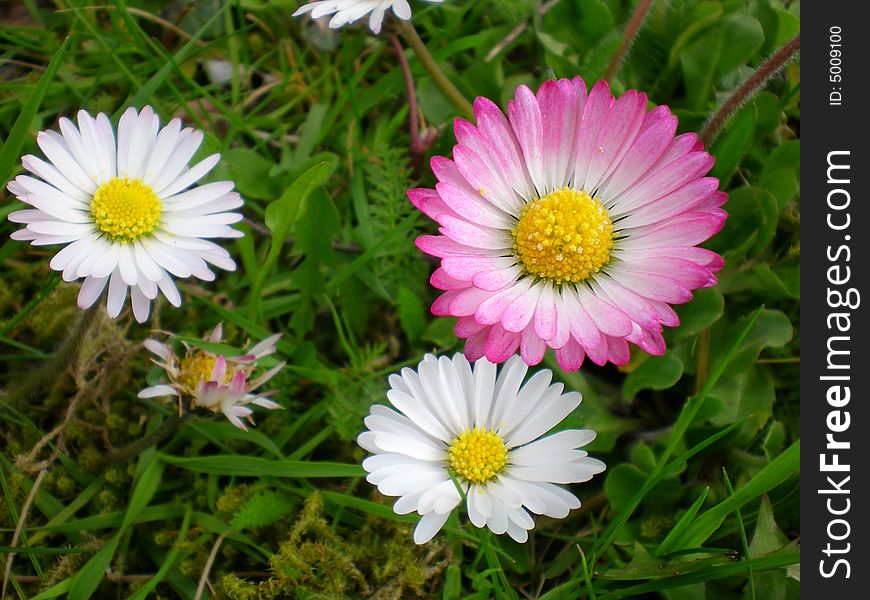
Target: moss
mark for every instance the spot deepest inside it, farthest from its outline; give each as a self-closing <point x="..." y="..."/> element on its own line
<point x="316" y="561"/>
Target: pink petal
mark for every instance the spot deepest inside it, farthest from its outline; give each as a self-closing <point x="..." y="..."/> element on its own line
<point x="532" y="347"/>
<point x="524" y="115"/>
<point x="570" y="356"/>
<point x="428" y="202"/>
<point x="471" y="206"/>
<point x="501" y="344"/>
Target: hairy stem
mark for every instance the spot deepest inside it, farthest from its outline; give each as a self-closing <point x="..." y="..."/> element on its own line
<point x="431" y="65"/>
<point x="637" y="19"/>
<point x="419" y="144"/>
<point x="43" y="377"/>
<point x="747" y="89"/>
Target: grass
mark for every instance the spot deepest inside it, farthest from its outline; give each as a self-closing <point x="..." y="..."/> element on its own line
<point x="700" y="496"/>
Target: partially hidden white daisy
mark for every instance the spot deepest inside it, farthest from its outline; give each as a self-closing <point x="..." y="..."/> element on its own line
<point x="454" y="425"/>
<point x="349" y="11"/>
<point x="224" y="384"/>
<point x="125" y="209"/>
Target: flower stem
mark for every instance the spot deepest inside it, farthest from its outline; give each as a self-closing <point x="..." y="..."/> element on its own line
<point x="747" y="89"/>
<point x="431" y="65"/>
<point x="419" y="144"/>
<point x="631" y="29"/>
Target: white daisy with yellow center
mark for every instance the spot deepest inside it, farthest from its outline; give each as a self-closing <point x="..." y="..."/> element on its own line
<point x="458" y="427"/>
<point x="350" y="11"/>
<point x="126" y="209"/>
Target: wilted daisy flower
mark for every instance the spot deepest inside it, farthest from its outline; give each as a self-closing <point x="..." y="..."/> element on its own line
<point x="218" y="383"/>
<point x="349" y="11"/>
<point x="570" y="224"/>
<point x="486" y="433"/>
<point x="125" y="209"/>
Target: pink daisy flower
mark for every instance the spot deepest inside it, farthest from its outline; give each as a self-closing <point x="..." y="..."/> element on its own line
<point x="572" y="224"/>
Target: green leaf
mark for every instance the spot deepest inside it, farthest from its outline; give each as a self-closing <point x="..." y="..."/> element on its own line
<point x="655" y="373"/>
<point x="706" y="307"/>
<point x="89" y="576"/>
<point x="284" y="212"/>
<point x="747" y="396"/>
<point x="412" y="315"/>
<point x="781" y="469"/>
<point x="281" y="215"/>
<point x="682" y="524"/>
<point x="725" y="47"/>
<point x="753" y="215"/>
<point x="249" y="170"/>
<point x="11" y="150"/>
<point x="733" y="144"/>
<point x="781" y="172"/>
<point x="768" y="537"/>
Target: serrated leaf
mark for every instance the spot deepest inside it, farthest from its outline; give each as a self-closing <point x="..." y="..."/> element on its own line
<point x="768" y="537"/>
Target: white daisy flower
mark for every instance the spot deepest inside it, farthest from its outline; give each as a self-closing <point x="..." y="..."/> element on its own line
<point x="126" y="209"/>
<point x="483" y="431"/>
<point x="349" y="11"/>
<point x="224" y="384"/>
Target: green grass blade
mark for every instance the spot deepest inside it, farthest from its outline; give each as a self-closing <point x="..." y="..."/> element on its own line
<point x="11" y="150"/>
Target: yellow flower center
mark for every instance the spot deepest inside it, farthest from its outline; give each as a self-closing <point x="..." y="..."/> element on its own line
<point x="199" y="367"/>
<point x="477" y="455"/>
<point x="125" y="209"/>
<point x="565" y="236"/>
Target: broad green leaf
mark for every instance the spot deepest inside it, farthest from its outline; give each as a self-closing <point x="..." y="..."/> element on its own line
<point x="706" y="307"/>
<point x="656" y="373"/>
<point x="284" y="212"/>
<point x="733" y="144"/>
<point x="623" y="481"/>
<point x="768" y="537"/>
<point x="753" y="214"/>
<point x="723" y="48"/>
<point x="249" y="170"/>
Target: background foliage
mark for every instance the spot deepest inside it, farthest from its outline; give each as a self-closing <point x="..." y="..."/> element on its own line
<point x="700" y="499"/>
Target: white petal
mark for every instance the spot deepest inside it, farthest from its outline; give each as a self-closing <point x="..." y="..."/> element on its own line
<point x="117" y="294"/>
<point x="141" y="304"/>
<point x="429" y="525"/>
<point x="91" y="289"/>
<point x="191" y="176"/>
<point x="167" y="286"/>
<point x="155" y="391"/>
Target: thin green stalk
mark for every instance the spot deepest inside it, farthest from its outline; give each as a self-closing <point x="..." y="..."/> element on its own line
<point x="431" y="65"/>
<point x="743" y="541"/>
<point x="685" y="419"/>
